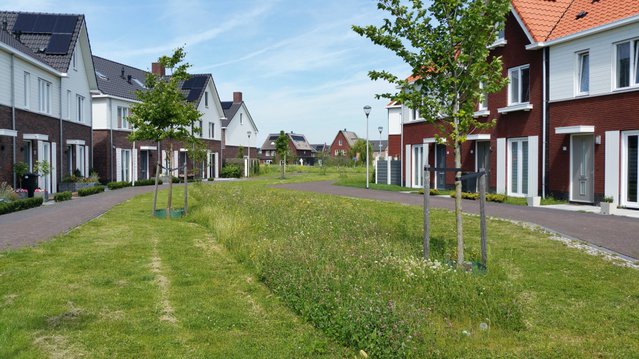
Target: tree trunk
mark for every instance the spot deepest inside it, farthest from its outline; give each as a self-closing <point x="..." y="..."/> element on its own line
<point x="170" y="198"/>
<point x="458" y="206"/>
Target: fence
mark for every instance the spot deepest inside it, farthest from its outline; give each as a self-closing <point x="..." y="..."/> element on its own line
<point x="388" y="171"/>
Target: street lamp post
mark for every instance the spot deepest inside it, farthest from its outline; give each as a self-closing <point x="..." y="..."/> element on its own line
<point x="367" y="111"/>
<point x="380" y="129"/>
<point x="248" y="165"/>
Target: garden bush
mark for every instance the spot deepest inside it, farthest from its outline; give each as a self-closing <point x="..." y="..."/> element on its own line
<point x="19" y="205"/>
<point x="490" y="197"/>
<point x="62" y="196"/>
<point x="118" y="185"/>
<point x="147" y="182"/>
<point x="90" y="191"/>
<point x="231" y="171"/>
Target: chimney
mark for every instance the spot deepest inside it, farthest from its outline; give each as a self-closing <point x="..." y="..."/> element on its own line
<point x="122" y="72"/>
<point x="158" y="69"/>
<point x="4" y="23"/>
<point x="128" y="78"/>
<point x="237" y="97"/>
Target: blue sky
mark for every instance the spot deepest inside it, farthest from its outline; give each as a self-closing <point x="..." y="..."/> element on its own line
<point x="298" y="63"/>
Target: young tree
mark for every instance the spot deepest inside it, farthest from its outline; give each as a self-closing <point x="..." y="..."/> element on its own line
<point x="164" y="113"/>
<point x="359" y="150"/>
<point x="281" y="147"/>
<point x="446" y="46"/>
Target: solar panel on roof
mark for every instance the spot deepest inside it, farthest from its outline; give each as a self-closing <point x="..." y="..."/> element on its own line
<point x="25" y="22"/>
<point x="193" y="95"/>
<point x="58" y="44"/>
<point x="298" y="138"/>
<point x="194" y="82"/>
<point x="65" y="24"/>
<point x="44" y="24"/>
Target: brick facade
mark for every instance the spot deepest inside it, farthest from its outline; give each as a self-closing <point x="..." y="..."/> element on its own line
<point x="336" y="146"/>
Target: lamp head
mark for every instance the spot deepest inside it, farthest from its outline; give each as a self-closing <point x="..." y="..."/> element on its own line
<point x="367" y="110"/>
<point x="380" y="129"/>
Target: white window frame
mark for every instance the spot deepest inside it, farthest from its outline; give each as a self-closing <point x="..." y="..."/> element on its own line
<point x="520" y="167"/>
<point x="579" y="72"/>
<point x="44" y="96"/>
<point x="27" y="90"/>
<point x="125" y="166"/>
<point x="634" y="63"/>
<point x="122" y="114"/>
<point x="241" y="119"/>
<point x="482" y="105"/>
<point x="79" y="107"/>
<point x="519" y="85"/>
<point x="211" y="130"/>
<point x="74" y="61"/>
<point x="206" y="99"/>
<point x="623" y="190"/>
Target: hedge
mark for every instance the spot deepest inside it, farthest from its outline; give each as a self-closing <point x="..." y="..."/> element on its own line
<point x="19" y="205"/>
<point x="118" y="185"/>
<point x="147" y="182"/>
<point x="62" y="196"/>
<point x="231" y="171"/>
<point x="490" y="197"/>
<point x="90" y="190"/>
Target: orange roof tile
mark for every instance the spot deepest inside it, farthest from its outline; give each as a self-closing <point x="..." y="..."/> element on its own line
<point x="597" y="13"/>
<point x="540" y="16"/>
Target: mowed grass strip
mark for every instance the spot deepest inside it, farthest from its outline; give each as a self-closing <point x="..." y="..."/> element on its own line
<point x="353" y="268"/>
<point x="127" y="285"/>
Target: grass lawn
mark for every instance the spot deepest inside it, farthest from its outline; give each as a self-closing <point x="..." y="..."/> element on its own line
<point x="261" y="272"/>
<point x="352" y="268"/>
<point x="126" y="285"/>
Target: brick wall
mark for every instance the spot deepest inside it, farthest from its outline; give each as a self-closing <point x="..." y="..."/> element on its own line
<point x="335" y="146"/>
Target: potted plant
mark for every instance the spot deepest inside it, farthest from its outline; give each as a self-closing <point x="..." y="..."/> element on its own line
<point x="607" y="206"/>
<point x="20" y="169"/>
<point x="42" y="168"/>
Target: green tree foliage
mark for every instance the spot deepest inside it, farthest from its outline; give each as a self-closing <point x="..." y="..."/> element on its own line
<point x="445" y="43"/>
<point x="164" y="114"/>
<point x="359" y="150"/>
<point x="281" y="147"/>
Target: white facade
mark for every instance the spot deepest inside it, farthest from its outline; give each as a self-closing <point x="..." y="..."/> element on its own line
<point x="394" y="120"/>
<point x="602" y="50"/>
<point x="240" y="124"/>
<point x="211" y="113"/>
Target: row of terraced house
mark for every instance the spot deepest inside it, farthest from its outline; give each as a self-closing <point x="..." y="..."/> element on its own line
<point x="567" y="123"/>
<point x="61" y="104"/>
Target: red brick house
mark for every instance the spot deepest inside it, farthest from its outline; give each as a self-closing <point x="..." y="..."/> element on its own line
<point x="46" y="81"/>
<point x="343" y="142"/>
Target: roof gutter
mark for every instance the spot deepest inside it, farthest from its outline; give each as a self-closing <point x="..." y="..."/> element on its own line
<point x="578" y="35"/>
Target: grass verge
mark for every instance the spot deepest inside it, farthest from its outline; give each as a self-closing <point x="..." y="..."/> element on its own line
<point x="352" y="268"/>
<point x="128" y="285"/>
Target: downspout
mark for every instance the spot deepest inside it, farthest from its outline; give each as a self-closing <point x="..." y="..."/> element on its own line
<point x="110" y="149"/>
<point x="545" y="120"/>
<point x="402" y="180"/>
<point x="62" y="144"/>
<point x="13" y="118"/>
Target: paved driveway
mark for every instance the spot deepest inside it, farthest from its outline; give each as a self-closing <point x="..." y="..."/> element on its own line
<point x="614" y="233"/>
<point x="32" y="226"/>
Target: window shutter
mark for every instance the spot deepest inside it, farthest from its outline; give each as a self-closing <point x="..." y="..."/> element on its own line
<point x="118" y="164"/>
<point x="134" y="161"/>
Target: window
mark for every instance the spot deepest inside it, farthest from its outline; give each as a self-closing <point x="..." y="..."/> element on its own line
<point x="74" y="61"/>
<point x="68" y="105"/>
<point x="483" y="99"/>
<point x="339" y="142"/>
<point x="80" y="109"/>
<point x="211" y="130"/>
<point x="241" y="119"/>
<point x="123" y="115"/>
<point x="414" y="114"/>
<point x="28" y="154"/>
<point x="583" y="73"/>
<point x="200" y="129"/>
<point x="206" y="98"/>
<point x="44" y="96"/>
<point x="27" y="89"/>
<point x="519" y="85"/>
<point x="518" y="167"/>
<point x="501" y="35"/>
<point x="125" y="169"/>
<point x="627" y="63"/>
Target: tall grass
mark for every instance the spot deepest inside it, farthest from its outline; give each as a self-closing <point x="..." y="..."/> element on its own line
<point x="354" y="271"/>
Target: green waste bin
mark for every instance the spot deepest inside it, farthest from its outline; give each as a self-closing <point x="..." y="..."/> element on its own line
<point x="175" y="213"/>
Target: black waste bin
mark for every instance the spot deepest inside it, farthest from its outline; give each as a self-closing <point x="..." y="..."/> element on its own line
<point x="30" y="182"/>
<point x="469" y="184"/>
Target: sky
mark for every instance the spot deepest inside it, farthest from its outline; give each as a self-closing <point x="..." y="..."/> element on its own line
<point x="298" y="64"/>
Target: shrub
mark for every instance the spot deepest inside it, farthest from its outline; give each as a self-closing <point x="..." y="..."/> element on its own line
<point x="496" y="197"/>
<point x="147" y="182"/>
<point x="62" y="196"/>
<point x="231" y="171"/>
<point x="19" y="205"/>
<point x="90" y="190"/>
<point x="6" y="193"/>
<point x="118" y="185"/>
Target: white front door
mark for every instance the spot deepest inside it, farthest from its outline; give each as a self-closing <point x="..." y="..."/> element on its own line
<point x="518" y="167"/>
<point x="629" y="170"/>
<point x="582" y="162"/>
